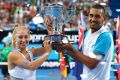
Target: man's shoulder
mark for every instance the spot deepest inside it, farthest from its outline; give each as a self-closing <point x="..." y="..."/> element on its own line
<point x="105" y="39"/>
<point x="106" y="35"/>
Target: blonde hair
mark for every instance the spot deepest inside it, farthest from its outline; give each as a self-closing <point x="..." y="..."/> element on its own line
<point x="16" y="29"/>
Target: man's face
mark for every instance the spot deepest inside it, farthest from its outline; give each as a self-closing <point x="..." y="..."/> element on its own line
<point x="95" y="18"/>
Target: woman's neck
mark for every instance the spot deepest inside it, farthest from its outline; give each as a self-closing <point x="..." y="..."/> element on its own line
<point x="22" y="50"/>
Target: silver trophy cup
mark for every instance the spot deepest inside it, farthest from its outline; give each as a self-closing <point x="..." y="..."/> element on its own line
<point x="59" y="16"/>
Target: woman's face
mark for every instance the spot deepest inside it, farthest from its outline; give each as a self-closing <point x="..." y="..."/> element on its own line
<point x="22" y="39"/>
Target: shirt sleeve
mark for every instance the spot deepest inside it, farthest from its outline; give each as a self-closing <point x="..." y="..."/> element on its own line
<point x="102" y="44"/>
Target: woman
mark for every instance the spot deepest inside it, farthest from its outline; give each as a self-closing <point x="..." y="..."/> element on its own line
<point x="20" y="61"/>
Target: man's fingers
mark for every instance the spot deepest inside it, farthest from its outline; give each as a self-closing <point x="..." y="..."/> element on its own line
<point x="60" y="48"/>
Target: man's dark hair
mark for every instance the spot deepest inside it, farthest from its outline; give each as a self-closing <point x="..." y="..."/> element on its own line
<point x="98" y="6"/>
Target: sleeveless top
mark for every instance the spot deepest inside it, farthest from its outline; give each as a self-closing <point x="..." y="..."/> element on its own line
<point x="102" y="70"/>
<point x="22" y="73"/>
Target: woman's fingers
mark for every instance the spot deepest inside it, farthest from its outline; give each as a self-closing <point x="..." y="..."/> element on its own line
<point x="47" y="43"/>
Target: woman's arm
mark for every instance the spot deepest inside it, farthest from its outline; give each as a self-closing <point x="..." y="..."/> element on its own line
<point x="41" y="50"/>
<point x="37" y="51"/>
<point x="18" y="60"/>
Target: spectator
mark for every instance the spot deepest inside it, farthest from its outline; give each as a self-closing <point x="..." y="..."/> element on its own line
<point x="4" y="57"/>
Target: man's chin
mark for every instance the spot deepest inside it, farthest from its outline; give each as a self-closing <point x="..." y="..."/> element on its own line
<point x="94" y="28"/>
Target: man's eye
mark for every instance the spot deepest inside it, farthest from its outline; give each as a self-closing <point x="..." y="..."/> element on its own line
<point x="97" y="16"/>
<point x="91" y="15"/>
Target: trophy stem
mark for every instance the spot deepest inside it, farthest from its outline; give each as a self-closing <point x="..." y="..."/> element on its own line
<point x="55" y="26"/>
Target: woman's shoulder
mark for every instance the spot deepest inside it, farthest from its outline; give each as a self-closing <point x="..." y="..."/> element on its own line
<point x="13" y="54"/>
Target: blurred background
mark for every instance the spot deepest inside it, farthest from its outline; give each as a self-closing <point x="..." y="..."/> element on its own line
<point x="14" y="12"/>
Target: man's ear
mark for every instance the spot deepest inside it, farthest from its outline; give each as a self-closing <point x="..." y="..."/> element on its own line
<point x="104" y="19"/>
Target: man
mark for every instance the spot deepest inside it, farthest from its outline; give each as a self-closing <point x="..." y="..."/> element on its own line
<point x="97" y="47"/>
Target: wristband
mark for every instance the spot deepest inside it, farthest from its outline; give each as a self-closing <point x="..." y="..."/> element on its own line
<point x="46" y="54"/>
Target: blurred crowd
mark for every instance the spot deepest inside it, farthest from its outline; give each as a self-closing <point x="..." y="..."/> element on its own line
<point x="16" y="12"/>
<point x="22" y="11"/>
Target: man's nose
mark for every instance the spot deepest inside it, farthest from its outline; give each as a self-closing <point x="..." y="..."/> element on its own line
<point x="93" y="18"/>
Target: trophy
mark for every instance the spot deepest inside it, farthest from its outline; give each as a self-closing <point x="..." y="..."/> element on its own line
<point x="54" y="16"/>
<point x="59" y="16"/>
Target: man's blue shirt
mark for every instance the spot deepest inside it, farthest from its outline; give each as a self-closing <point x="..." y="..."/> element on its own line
<point x="102" y="44"/>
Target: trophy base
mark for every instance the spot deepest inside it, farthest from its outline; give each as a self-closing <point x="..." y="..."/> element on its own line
<point x="57" y="40"/>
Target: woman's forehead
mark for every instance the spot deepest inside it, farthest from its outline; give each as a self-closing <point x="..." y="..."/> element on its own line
<point x="22" y="32"/>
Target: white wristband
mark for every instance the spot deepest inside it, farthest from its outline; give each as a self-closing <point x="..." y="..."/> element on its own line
<point x="97" y="57"/>
<point x="46" y="54"/>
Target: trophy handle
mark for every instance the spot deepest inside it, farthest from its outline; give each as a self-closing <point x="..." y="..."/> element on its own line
<point x="48" y="22"/>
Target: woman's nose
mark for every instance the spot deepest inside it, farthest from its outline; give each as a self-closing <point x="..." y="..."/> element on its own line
<point x="24" y="39"/>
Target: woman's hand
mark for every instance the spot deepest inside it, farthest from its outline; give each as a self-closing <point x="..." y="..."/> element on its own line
<point x="47" y="46"/>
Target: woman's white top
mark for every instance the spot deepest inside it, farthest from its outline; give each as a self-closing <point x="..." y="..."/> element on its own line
<point x="22" y="73"/>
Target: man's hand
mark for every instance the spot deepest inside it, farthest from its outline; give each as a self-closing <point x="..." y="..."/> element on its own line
<point x="65" y="46"/>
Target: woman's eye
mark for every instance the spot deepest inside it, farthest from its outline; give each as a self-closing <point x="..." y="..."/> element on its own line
<point x="20" y="37"/>
<point x="25" y="36"/>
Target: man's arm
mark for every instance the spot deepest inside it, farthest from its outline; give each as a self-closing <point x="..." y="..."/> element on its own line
<point x="100" y="49"/>
<point x="89" y="62"/>
<point x="70" y="50"/>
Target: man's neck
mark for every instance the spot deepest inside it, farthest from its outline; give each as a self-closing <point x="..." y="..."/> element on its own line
<point x="94" y="30"/>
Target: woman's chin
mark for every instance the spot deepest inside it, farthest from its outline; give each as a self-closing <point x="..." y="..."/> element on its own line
<point x="23" y="47"/>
